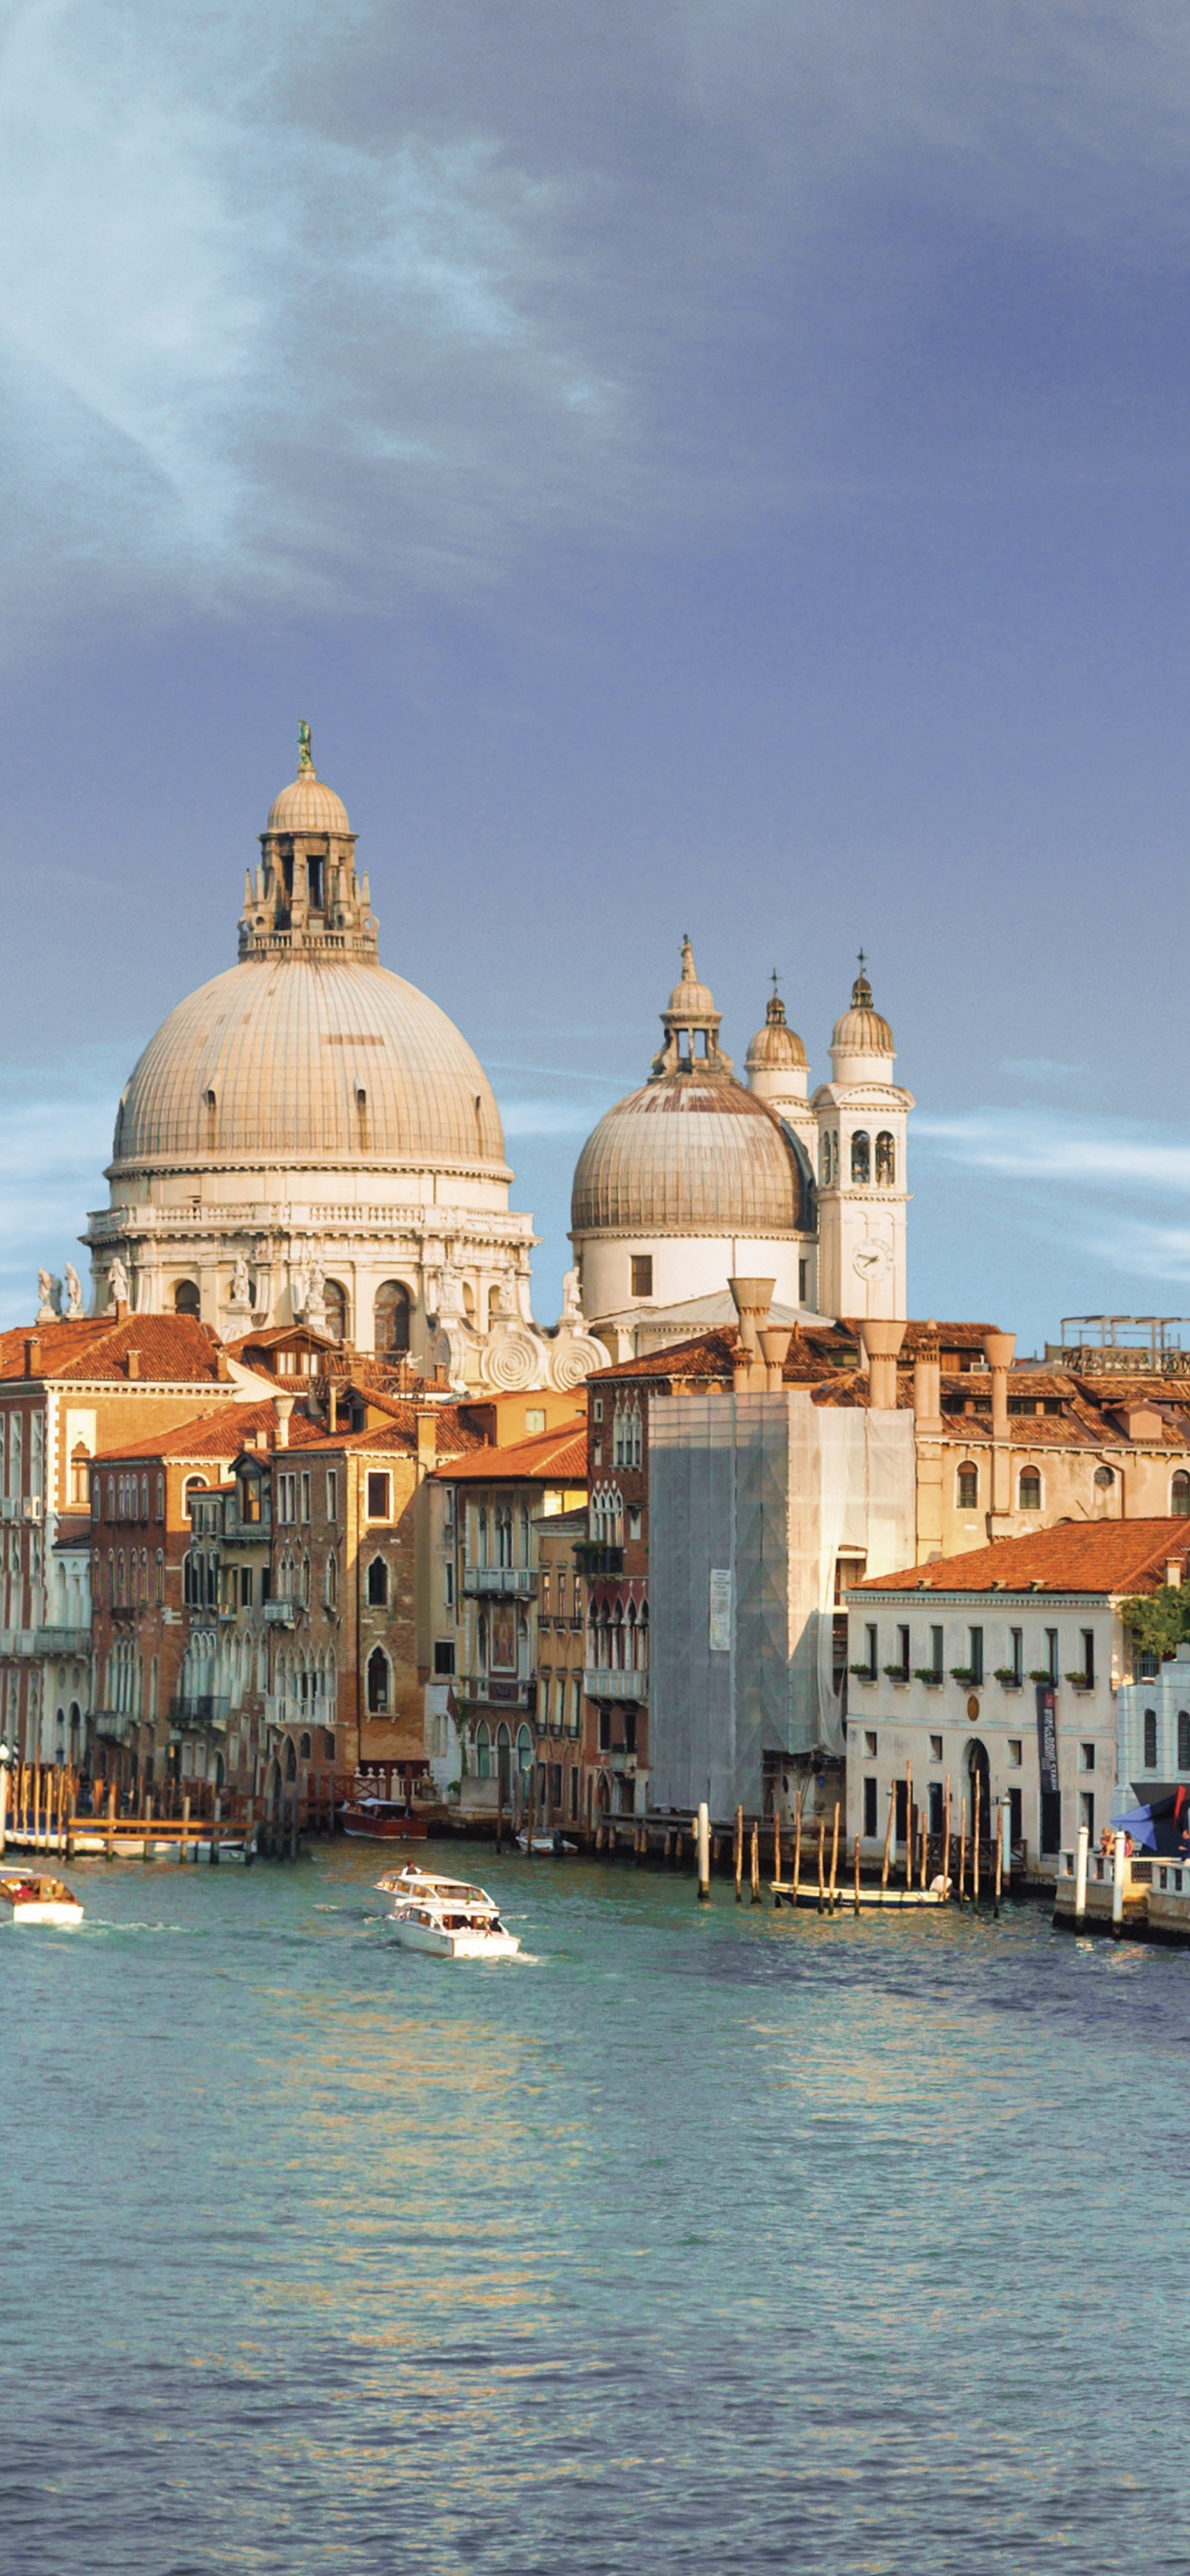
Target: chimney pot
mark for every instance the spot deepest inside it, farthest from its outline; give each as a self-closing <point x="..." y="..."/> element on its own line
<point x="774" y="1342"/>
<point x="32" y="1356"/>
<point x="881" y="1343"/>
<point x="132" y="1363"/>
<point x="283" y="1406"/>
<point x="752" y="1299"/>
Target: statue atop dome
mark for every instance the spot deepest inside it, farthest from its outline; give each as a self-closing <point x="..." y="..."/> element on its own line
<point x="305" y="754"/>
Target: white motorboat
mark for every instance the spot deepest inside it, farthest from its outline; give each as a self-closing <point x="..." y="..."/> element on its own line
<point x="411" y="1880"/>
<point x="549" y="1846"/>
<point x="40" y="1900"/>
<point x="447" y="1928"/>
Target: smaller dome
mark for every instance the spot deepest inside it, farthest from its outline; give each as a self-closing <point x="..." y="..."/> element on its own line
<point x="776" y="1045"/>
<point x="861" y="1030"/>
<point x="307" y="806"/>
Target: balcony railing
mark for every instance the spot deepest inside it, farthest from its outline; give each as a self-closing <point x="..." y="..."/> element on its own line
<point x="510" y="1580"/>
<point x="280" y="1614"/>
<point x="602" y="1681"/>
<point x="198" y="1708"/>
<point x="115" y="1725"/>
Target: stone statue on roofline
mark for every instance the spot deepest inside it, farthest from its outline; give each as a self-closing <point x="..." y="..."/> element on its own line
<point x="117" y="1283"/>
<point x="240" y="1293"/>
<point x="74" y="1294"/>
<point x="47" y="1306"/>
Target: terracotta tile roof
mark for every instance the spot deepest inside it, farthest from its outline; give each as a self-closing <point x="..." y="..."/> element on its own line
<point x="1077" y="1556"/>
<point x="170" y="1348"/>
<point x="216" y="1435"/>
<point x="273" y="1337"/>
<point x="546" y="1457"/>
<point x="455" y="1438"/>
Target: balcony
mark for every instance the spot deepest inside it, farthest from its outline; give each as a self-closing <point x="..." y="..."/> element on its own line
<point x="197" y="1708"/>
<point x="602" y="1681"/>
<point x="114" y="1725"/>
<point x="280" y="1614"/>
<point x="45" y="1641"/>
<point x="511" y="1581"/>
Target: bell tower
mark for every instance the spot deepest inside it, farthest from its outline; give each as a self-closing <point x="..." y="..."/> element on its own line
<point x="862" y="1119"/>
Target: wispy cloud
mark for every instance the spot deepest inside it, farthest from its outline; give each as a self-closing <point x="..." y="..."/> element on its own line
<point x="1121" y="1157"/>
<point x="304" y="304"/>
<point x="1040" y="1069"/>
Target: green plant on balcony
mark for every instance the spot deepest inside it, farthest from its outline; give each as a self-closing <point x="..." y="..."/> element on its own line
<point x="967" y="1675"/>
<point x="1080" y="1681"/>
<point x="928" y="1674"/>
<point x="863" y="1672"/>
<point x="1042" y="1674"/>
<point x="897" y="1672"/>
<point x="1008" y="1677"/>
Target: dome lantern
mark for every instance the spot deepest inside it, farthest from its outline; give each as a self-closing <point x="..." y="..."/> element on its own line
<point x="776" y="1063"/>
<point x="306" y="894"/>
<point x="691" y="1024"/>
<point x="862" y="1043"/>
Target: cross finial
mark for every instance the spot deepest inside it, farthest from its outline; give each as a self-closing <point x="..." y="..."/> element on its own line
<point x="776" y="983"/>
<point x="861" y="961"/>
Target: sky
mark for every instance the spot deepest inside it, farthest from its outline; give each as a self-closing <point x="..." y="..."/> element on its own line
<point x="711" y="468"/>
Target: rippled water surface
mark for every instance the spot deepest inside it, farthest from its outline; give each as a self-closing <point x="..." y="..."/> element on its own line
<point x="701" y="2237"/>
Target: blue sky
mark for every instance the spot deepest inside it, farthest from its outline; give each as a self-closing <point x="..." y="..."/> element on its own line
<point x="712" y="468"/>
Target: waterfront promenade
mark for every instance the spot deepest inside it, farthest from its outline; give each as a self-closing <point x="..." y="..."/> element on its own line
<point x="704" y="2237"/>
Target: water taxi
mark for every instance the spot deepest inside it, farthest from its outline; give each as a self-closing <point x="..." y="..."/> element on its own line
<point x="40" y="1900"/>
<point x="450" y="1929"/>
<point x="412" y="1880"/>
<point x="383" y="1820"/>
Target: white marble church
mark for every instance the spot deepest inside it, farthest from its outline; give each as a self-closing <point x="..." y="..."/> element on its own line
<point x="698" y="1178"/>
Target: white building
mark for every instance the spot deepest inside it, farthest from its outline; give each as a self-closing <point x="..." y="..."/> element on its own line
<point x="1010" y="1665"/>
<point x="696" y="1178"/>
<point x="309" y="1136"/>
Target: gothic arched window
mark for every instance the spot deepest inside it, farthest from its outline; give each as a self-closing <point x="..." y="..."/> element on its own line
<point x="377" y="1584"/>
<point x="886" y="1159"/>
<point x="1029" y="1490"/>
<point x="483" y="1751"/>
<point x="861" y="1156"/>
<point x="378" y="1679"/>
<point x="392" y="1316"/>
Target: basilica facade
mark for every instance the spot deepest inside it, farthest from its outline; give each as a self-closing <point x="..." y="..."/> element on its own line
<point x="308" y="1137"/>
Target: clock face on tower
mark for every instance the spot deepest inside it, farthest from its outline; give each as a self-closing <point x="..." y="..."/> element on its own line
<point x="872" y="1260"/>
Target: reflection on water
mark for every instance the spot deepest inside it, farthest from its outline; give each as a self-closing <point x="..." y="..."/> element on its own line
<point x="715" y="2239"/>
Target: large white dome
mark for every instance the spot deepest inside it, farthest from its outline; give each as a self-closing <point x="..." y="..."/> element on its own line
<point x="316" y="1058"/>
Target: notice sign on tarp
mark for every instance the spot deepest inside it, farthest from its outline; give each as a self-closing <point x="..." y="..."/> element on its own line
<point x="1047" y="1737"/>
<point x="720" y="1609"/>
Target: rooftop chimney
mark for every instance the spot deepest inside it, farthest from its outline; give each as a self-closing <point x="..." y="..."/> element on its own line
<point x="927" y="1384"/>
<point x="998" y="1350"/>
<point x="427" y="1441"/>
<point x="283" y="1406"/>
<point x="32" y="1356"/>
<point x="132" y="1363"/>
<point x="881" y="1343"/>
<point x="774" y="1342"/>
<point x="752" y="1299"/>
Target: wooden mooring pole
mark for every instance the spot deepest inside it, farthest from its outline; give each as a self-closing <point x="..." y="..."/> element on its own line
<point x="834" y="1856"/>
<point x="888" y="1830"/>
<point x="975" y="1843"/>
<point x="797" y="1842"/>
<point x="946" y="1835"/>
<point x="756" y="1864"/>
<point x="739" y="1855"/>
<point x="703" y="1843"/>
<point x="776" y="1835"/>
<point x="821" y="1863"/>
<point x="962" y="1851"/>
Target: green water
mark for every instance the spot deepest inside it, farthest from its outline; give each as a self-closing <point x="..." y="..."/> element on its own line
<point x="701" y="2237"/>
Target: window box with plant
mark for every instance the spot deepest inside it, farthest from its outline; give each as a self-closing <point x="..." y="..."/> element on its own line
<point x="1008" y="1677"/>
<point x="967" y="1675"/>
<point x="898" y="1673"/>
<point x="1042" y="1673"/>
<point x="1080" y="1681"/>
<point x="927" y="1674"/>
<point x="864" y="1672"/>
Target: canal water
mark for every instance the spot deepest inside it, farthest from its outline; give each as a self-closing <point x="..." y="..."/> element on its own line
<point x="701" y="2237"/>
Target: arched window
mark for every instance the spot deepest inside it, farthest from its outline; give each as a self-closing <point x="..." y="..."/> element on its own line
<point x="1150" y="1739"/>
<point x="186" y="1297"/>
<point x="161" y="1498"/>
<point x="304" y="1748"/>
<point x="79" y="1474"/>
<point x="824" y="1161"/>
<point x="306" y="1582"/>
<point x="1029" y="1490"/>
<point x="1184" y="1739"/>
<point x="481" y="1641"/>
<point x="160" y="1594"/>
<point x="1179" y="1496"/>
<point x="377" y="1584"/>
<point x="290" y="1760"/>
<point x="144" y="1498"/>
<point x="886" y="1159"/>
<point x="968" y="1487"/>
<point x="861" y="1156"/>
<point x="211" y="1121"/>
<point x="378" y="1679"/>
<point x="332" y="1582"/>
<point x="524" y="1750"/>
<point x="392" y="1317"/>
<point x="483" y="1751"/>
<point x="336" y="1310"/>
<point x="362" y="1130"/>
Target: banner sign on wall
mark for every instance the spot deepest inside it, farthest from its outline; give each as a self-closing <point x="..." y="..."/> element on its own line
<point x="1047" y="1737"/>
<point x="720" y="1610"/>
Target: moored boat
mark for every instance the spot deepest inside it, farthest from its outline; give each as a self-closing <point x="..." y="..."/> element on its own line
<point x="40" y="1900"/>
<point x="383" y="1820"/>
<point x="447" y="1929"/>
